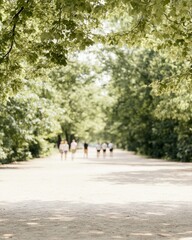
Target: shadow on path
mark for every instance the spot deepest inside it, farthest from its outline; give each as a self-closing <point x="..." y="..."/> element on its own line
<point x="57" y="220"/>
<point x="178" y="176"/>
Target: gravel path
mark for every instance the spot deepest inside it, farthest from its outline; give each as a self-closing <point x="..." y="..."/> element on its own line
<point x="119" y="197"/>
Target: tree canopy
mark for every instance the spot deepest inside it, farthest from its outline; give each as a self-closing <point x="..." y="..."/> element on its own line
<point x="44" y="33"/>
<point x="53" y="28"/>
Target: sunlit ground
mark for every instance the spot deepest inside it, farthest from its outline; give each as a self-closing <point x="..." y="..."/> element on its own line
<point x="119" y="197"/>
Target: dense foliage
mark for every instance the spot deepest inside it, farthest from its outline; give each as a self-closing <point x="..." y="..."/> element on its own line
<point x="135" y="121"/>
<point x="81" y="99"/>
<point x="148" y="98"/>
<point x="64" y="101"/>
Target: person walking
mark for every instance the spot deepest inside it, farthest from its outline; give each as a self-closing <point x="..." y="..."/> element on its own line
<point x="110" y="146"/>
<point x="104" y="148"/>
<point x="73" y="149"/>
<point x="64" y="148"/>
<point x="58" y="141"/>
<point x="98" y="149"/>
<point x="86" y="150"/>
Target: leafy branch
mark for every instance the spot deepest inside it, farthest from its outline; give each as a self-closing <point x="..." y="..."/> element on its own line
<point x="13" y="31"/>
<point x="169" y="19"/>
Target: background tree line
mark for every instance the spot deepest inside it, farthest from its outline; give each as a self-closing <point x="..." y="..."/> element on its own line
<point x="64" y="101"/>
<point x="140" y="119"/>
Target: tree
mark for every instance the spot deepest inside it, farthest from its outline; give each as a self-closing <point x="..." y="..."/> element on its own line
<point x="28" y="34"/>
<point x="133" y="122"/>
<point x="81" y="100"/>
<point x="27" y="120"/>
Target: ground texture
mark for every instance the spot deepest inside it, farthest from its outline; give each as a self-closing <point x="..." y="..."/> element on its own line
<point x="119" y="197"/>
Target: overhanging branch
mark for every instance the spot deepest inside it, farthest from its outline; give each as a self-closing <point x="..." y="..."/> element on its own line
<point x="15" y="18"/>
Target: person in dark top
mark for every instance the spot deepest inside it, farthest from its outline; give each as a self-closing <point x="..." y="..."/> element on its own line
<point x="86" y="150"/>
<point x="58" y="141"/>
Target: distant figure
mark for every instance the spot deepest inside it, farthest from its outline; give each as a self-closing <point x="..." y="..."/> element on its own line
<point x="86" y="150"/>
<point x="73" y="149"/>
<point x="98" y="148"/>
<point x="64" y="148"/>
<point x="58" y="141"/>
<point x="104" y="148"/>
<point x="110" y="146"/>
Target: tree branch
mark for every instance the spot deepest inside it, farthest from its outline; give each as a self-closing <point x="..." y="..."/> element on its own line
<point x="17" y="14"/>
<point x="12" y="41"/>
<point x="15" y="18"/>
<point x="60" y="16"/>
<point x="169" y="19"/>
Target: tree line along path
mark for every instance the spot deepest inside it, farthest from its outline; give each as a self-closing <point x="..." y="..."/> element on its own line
<point x="120" y="197"/>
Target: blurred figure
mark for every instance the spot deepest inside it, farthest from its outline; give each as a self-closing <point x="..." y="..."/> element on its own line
<point x="86" y="150"/>
<point x="58" y="141"/>
<point x="73" y="149"/>
<point x="98" y="148"/>
<point x="110" y="146"/>
<point x="104" y="148"/>
<point x="64" y="148"/>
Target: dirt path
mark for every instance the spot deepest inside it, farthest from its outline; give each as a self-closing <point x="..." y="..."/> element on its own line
<point x="119" y="197"/>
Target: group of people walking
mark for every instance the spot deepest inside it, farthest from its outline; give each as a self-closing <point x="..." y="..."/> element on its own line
<point x="103" y="147"/>
<point x="64" y="148"/>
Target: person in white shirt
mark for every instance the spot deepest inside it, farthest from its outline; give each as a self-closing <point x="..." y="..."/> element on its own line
<point x="110" y="146"/>
<point x="98" y="148"/>
<point x="73" y="148"/>
<point x="64" y="148"/>
<point x="104" y="147"/>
